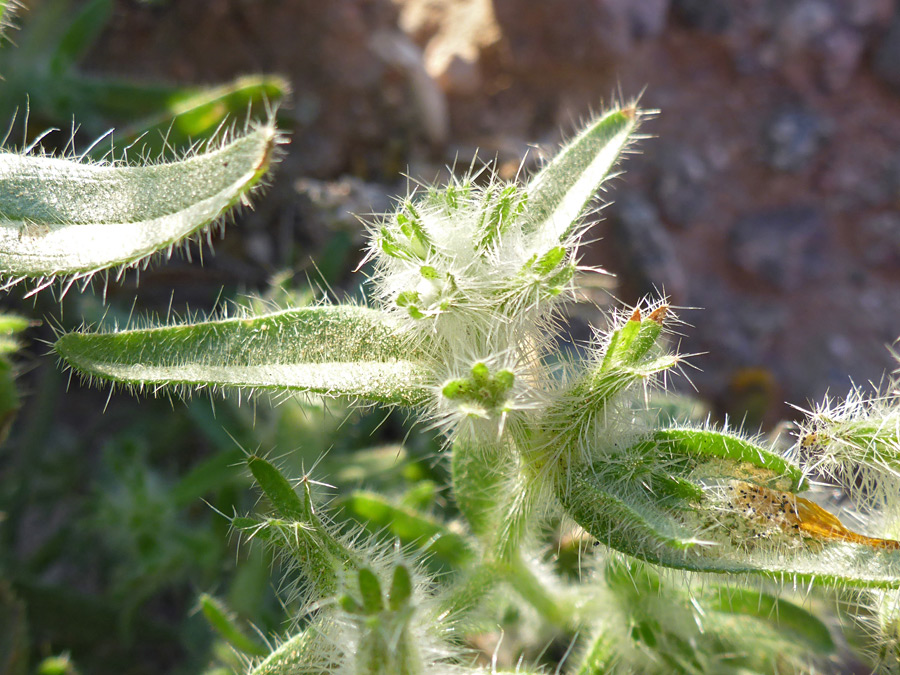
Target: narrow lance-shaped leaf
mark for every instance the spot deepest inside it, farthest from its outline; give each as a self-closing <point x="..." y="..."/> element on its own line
<point x="63" y="217"/>
<point x="370" y="591"/>
<point x="170" y="117"/>
<point x="630" y="523"/>
<point x="329" y="350"/>
<point x="225" y="625"/>
<point x="401" y="588"/>
<point x="709" y="444"/>
<point x="561" y="192"/>
<point x="81" y="33"/>
<point x="279" y="490"/>
<point x="300" y="532"/>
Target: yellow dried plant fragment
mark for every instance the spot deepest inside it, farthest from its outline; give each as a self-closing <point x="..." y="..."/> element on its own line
<point x="796" y="514"/>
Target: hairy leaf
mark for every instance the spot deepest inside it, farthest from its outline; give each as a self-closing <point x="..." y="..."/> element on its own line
<point x="331" y="350"/>
<point x="64" y="217"/>
<point x="279" y="490"/>
<point x="628" y="520"/>
<point x="654" y="621"/>
<point x="225" y="625"/>
<point x="309" y="544"/>
<point x="305" y="653"/>
<point x="561" y="192"/>
<point x="7" y="12"/>
<point x="709" y="443"/>
<point x="633" y="518"/>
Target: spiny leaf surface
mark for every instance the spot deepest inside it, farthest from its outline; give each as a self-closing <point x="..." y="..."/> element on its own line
<point x="64" y="217"/>
<point x="561" y="192"/>
<point x="329" y="350"/>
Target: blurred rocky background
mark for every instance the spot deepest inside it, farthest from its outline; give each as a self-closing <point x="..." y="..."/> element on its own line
<point x="767" y="194"/>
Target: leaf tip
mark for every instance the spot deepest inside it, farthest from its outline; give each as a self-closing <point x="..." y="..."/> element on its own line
<point x="659" y="314"/>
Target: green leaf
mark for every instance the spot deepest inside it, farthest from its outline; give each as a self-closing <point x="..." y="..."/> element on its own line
<point x="63" y="217"/>
<point x="789" y="618"/>
<point x="622" y="514"/>
<point x="370" y="591"/>
<point x="329" y="350"/>
<point x="630" y="517"/>
<point x="562" y="191"/>
<point x="631" y="356"/>
<point x="12" y="323"/>
<point x="401" y="588"/>
<point x="226" y="626"/>
<point x="306" y="653"/>
<point x="409" y="526"/>
<point x="80" y="35"/>
<point x="654" y="621"/>
<point x="172" y="117"/>
<point x="7" y="12"/>
<point x="662" y="501"/>
<point x="279" y="491"/>
<point x="631" y="342"/>
<point x="420" y="496"/>
<point x="319" y="555"/>
<point x="708" y="443"/>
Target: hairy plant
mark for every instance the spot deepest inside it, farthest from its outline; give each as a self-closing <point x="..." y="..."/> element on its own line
<point x="463" y="325"/>
<point x="67" y="217"/>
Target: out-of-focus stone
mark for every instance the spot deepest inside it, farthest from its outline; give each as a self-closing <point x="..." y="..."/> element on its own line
<point x="644" y="18"/>
<point x="549" y="36"/>
<point x="886" y="63"/>
<point x="338" y="205"/>
<point x="680" y="185"/>
<point x="712" y="17"/>
<point x="651" y="264"/>
<point x="782" y="248"/>
<point x="793" y="136"/>
<point x="814" y="42"/>
<point x="878" y="237"/>
<point x="399" y="51"/>
<point x="803" y="22"/>
<point x="866" y="13"/>
<point x="842" y="51"/>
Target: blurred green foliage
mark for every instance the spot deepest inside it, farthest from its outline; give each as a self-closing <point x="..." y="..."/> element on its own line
<point x="42" y="75"/>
